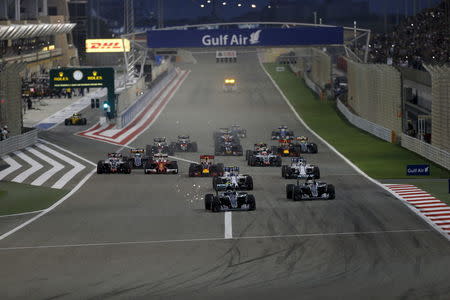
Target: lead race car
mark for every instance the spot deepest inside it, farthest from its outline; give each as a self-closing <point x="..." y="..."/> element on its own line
<point x="137" y="159"/>
<point x="232" y="178"/>
<point x="115" y="163"/>
<point x="229" y="200"/>
<point x="183" y="144"/>
<point x="206" y="167"/>
<point x="310" y="190"/>
<point x="299" y="168"/>
<point x="282" y="133"/>
<point x="160" y="164"/>
<point x="159" y="146"/>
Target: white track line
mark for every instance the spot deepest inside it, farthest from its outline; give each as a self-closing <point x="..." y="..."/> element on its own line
<point x="76" y="188"/>
<point x="13" y="166"/>
<point x="77" y="167"/>
<point x="356" y="168"/>
<point x="228" y="225"/>
<point x="35" y="166"/>
<point x="56" y="167"/>
<point x="305" y="235"/>
<point x="22" y="214"/>
<point x="67" y="151"/>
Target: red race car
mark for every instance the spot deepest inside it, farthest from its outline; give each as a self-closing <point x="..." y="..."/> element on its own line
<point x="206" y="167"/>
<point x="160" y="164"/>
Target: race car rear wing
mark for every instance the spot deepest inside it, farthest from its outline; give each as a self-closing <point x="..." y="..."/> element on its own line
<point x="207" y="157"/>
<point x="285" y="141"/>
<point x="137" y="151"/>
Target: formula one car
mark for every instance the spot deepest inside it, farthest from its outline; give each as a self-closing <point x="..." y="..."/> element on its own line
<point x="137" y="159"/>
<point x="225" y="135"/>
<point x="229" y="200"/>
<point x="310" y="190"/>
<point x="206" y="167"/>
<point x="160" y="164"/>
<point x="257" y="148"/>
<point x="287" y="148"/>
<point x="113" y="164"/>
<point x="75" y="119"/>
<point x="264" y="158"/>
<point x="184" y="144"/>
<point x="159" y="146"/>
<point x="300" y="169"/>
<point x="305" y="145"/>
<point x="232" y="178"/>
<point x="282" y="133"/>
<point x="228" y="149"/>
<point x="239" y="131"/>
<point x="229" y="84"/>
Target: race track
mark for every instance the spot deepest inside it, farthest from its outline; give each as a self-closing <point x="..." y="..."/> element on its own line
<point x="149" y="237"/>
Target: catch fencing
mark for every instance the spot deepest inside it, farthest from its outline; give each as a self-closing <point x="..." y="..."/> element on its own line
<point x="374" y="93"/>
<point x="375" y="129"/>
<point x="426" y="150"/>
<point x="17" y="142"/>
<point x="440" y="107"/>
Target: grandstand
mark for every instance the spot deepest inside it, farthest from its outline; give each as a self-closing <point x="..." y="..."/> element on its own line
<point x="418" y="40"/>
<point x="35" y="36"/>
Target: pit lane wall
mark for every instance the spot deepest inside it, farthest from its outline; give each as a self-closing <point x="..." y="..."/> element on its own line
<point x="128" y="114"/>
<point x="19" y="141"/>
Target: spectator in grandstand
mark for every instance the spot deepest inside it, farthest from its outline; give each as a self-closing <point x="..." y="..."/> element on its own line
<point x="424" y="38"/>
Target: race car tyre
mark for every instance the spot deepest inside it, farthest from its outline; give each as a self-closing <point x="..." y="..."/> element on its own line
<point x="316" y="173"/>
<point x="313" y="148"/>
<point x="247" y="154"/>
<point x="251" y="161"/>
<point x="289" y="190"/>
<point x="278" y="161"/>
<point x="274" y="150"/>
<point x="192" y="169"/>
<point x="175" y="166"/>
<point x="100" y="168"/>
<point x="297" y="193"/>
<point x="83" y="121"/>
<point x="193" y="147"/>
<point x="148" y="151"/>
<point x="208" y="201"/>
<point x="331" y="192"/>
<point x="251" y="202"/>
<point x="284" y="171"/>
<point x="66" y="122"/>
<point x="249" y="182"/>
<point x="220" y="169"/>
<point x="215" y="205"/>
<point x="214" y="183"/>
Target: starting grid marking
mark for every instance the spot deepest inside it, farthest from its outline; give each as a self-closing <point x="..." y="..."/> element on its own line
<point x="431" y="208"/>
<point x="108" y="133"/>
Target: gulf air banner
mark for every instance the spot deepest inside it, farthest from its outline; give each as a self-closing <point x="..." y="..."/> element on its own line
<point x="107" y="45"/>
<point x="266" y="37"/>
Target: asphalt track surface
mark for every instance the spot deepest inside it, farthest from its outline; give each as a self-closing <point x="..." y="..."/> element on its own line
<point x="149" y="237"/>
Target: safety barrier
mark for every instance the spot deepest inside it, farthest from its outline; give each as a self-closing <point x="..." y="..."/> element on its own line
<point x="426" y="150"/>
<point x="133" y="110"/>
<point x="17" y="142"/>
<point x="370" y="127"/>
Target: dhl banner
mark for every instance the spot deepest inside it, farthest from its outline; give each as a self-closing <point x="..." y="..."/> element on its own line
<point x="107" y="45"/>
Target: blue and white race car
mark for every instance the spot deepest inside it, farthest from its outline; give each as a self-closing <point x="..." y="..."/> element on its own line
<point x="282" y="133"/>
<point x="232" y="179"/>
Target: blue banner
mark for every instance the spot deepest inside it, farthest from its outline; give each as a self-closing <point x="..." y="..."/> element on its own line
<point x="418" y="170"/>
<point x="298" y="36"/>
